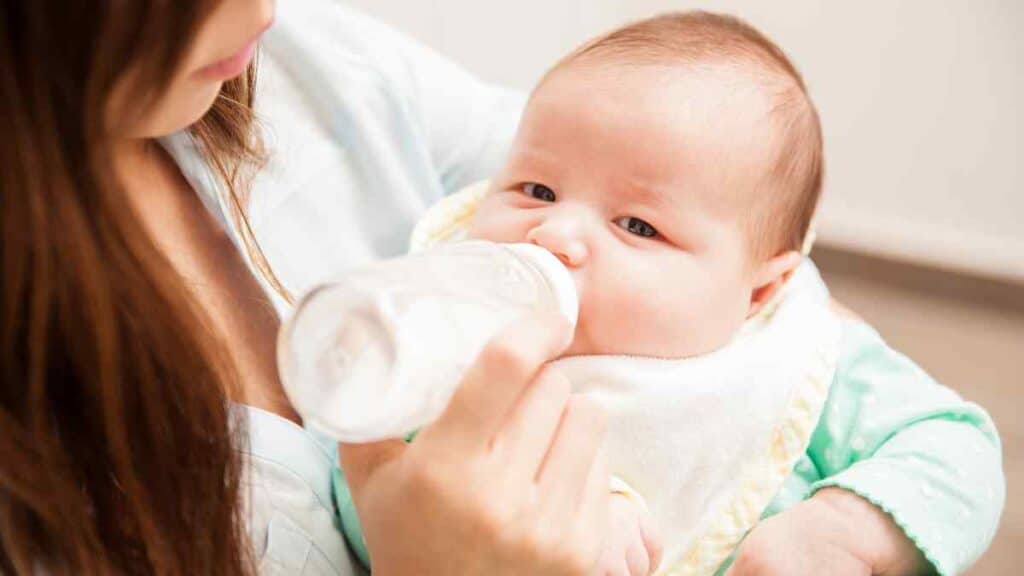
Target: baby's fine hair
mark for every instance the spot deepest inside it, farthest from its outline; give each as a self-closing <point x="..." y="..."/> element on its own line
<point x="785" y="202"/>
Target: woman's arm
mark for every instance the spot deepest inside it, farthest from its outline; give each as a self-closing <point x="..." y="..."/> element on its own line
<point x="466" y="123"/>
<point x="364" y="129"/>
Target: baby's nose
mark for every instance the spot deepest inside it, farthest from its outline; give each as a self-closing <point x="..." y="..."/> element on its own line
<point x="563" y="239"/>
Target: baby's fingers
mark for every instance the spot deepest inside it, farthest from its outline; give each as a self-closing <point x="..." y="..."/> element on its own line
<point x="638" y="562"/>
<point x="652" y="543"/>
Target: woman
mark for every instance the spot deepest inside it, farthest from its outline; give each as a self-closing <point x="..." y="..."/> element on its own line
<point x="129" y="321"/>
<point x="130" y="316"/>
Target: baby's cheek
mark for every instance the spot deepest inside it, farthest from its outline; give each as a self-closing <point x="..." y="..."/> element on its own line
<point x="619" y="318"/>
<point x="649" y="318"/>
<point x="628" y="316"/>
<point x="495" y="225"/>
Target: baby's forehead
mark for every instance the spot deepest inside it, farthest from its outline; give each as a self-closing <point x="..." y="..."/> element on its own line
<point x="715" y="112"/>
<point x="738" y="105"/>
<point x="700" y="135"/>
<point x="722" y="86"/>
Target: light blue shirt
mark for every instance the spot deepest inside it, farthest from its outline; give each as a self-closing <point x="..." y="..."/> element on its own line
<point x="287" y="489"/>
<point x="364" y="129"/>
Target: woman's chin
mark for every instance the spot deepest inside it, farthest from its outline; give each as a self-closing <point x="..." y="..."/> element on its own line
<point x="179" y="110"/>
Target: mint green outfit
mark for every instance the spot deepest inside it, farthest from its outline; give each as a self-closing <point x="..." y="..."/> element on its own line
<point x="894" y="436"/>
<point x="912" y="447"/>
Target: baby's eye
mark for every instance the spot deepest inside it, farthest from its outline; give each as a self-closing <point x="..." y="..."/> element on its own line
<point x="637" y="226"/>
<point x="539" y="191"/>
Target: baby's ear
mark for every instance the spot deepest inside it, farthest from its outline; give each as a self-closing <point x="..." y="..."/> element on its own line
<point x="769" y="277"/>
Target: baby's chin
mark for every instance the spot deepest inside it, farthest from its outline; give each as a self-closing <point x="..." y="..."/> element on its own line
<point x="581" y="347"/>
<point x="697" y="345"/>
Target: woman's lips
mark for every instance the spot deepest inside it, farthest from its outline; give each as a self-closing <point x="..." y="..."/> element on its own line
<point x="233" y="65"/>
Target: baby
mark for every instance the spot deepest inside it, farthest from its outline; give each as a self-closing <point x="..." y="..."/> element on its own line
<point x="674" y="167"/>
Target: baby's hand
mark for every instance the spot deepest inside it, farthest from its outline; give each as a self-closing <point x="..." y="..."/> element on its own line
<point x="632" y="548"/>
<point x="836" y="533"/>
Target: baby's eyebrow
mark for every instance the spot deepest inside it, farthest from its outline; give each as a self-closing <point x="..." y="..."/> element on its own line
<point x="538" y="155"/>
<point x="538" y="162"/>
<point x="650" y="194"/>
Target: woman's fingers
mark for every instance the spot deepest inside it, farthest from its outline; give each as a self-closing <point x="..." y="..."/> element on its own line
<point x="569" y="463"/>
<point x="523" y="442"/>
<point x="593" y="517"/>
<point x="496" y="380"/>
<point x="513" y="465"/>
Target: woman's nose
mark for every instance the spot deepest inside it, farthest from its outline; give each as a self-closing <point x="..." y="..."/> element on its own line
<point x="562" y="237"/>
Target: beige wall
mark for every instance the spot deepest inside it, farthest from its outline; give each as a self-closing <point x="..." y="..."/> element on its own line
<point x="920" y="101"/>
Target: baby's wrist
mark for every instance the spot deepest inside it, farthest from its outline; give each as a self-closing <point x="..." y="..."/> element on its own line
<point x="873" y="535"/>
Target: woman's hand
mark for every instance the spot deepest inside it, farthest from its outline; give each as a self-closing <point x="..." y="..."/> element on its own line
<point x="508" y="481"/>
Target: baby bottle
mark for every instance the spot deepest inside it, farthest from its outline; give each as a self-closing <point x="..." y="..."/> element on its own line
<point x="379" y="353"/>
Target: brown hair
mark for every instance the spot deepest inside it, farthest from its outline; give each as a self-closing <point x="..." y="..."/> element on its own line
<point x="787" y="199"/>
<point x="235" y="151"/>
<point x="117" y="449"/>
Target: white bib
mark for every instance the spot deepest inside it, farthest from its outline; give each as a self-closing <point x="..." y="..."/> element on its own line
<point x="708" y="441"/>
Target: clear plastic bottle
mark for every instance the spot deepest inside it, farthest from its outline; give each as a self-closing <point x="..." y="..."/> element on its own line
<point x="379" y="353"/>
